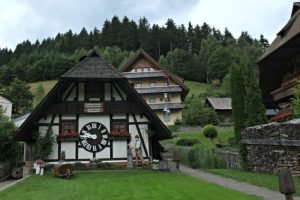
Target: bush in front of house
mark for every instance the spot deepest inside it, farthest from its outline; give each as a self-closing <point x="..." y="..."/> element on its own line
<point x="210" y="131"/>
<point x="200" y="157"/>
<point x="187" y="141"/>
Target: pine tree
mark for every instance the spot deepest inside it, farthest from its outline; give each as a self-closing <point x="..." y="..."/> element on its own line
<point x="238" y="97"/>
<point x="254" y="109"/>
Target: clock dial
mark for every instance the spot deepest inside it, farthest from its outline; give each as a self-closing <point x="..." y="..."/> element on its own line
<point x="94" y="137"/>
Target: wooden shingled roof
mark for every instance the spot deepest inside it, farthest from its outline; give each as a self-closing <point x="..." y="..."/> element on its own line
<point x="180" y="81"/>
<point x="93" y="67"/>
<point x="90" y="68"/>
<point x="219" y="103"/>
<point x="287" y="33"/>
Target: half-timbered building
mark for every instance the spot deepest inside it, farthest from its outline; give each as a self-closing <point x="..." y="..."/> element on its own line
<point x="93" y="112"/>
<point x="163" y="91"/>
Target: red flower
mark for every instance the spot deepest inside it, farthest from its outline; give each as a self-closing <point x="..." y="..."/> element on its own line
<point x="68" y="134"/>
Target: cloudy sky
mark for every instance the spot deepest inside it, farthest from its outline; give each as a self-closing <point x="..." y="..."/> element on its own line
<point x="37" y="19"/>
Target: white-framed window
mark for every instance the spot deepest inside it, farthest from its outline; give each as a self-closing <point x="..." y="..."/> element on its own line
<point x="138" y="85"/>
<point x="152" y="100"/>
<point x="152" y="84"/>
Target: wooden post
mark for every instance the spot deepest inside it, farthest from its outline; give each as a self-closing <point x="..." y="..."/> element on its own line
<point x="286" y="183"/>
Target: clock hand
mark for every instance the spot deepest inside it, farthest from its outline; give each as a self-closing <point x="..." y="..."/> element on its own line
<point x="88" y="135"/>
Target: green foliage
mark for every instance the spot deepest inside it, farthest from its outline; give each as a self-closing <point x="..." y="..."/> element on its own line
<point x="39" y="94"/>
<point x="18" y="93"/>
<point x="187" y="141"/>
<point x="199" y="52"/>
<point x="238" y="100"/>
<point x="195" y="112"/>
<point x="174" y="128"/>
<point x="200" y="157"/>
<point x="210" y="131"/>
<point x="254" y="109"/>
<point x="296" y="101"/>
<point x="43" y="144"/>
<point x="8" y="146"/>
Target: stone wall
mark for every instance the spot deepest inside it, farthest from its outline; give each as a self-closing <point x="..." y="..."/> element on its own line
<point x="272" y="146"/>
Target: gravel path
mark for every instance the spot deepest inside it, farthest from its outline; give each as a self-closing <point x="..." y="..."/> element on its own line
<point x="247" y="188"/>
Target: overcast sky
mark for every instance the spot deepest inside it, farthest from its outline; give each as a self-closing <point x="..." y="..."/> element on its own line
<point x="38" y="19"/>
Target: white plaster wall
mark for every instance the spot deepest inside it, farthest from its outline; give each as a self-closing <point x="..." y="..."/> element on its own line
<point x="105" y="153"/>
<point x="120" y="149"/>
<point x="133" y="132"/>
<point x="81" y="92"/>
<point x="83" y="154"/>
<point x="54" y="153"/>
<point x="107" y="91"/>
<point x="138" y="118"/>
<point x="48" y="119"/>
<point x="43" y="130"/>
<point x="70" y="149"/>
<point x="103" y="119"/>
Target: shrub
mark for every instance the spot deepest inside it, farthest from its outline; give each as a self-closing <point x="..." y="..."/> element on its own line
<point x="187" y="141"/>
<point x="200" y="157"/>
<point x="210" y="131"/>
<point x="174" y="128"/>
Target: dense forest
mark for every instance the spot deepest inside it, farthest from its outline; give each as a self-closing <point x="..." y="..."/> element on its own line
<point x="200" y="53"/>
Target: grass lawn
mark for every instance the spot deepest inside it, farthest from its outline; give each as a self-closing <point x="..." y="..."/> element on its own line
<point x="259" y="179"/>
<point x="197" y="88"/>
<point x="120" y="185"/>
<point x="223" y="135"/>
<point x="48" y="85"/>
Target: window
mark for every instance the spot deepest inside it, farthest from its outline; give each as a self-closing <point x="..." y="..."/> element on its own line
<point x="152" y="100"/>
<point x="152" y="84"/>
<point x="68" y="126"/>
<point x="119" y="126"/>
<point x="94" y="91"/>
<point x="138" y="85"/>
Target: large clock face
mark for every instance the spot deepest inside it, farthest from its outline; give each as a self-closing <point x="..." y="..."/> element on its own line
<point x="93" y="137"/>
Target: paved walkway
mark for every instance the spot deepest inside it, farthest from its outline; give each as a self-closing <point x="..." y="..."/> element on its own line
<point x="247" y="188"/>
<point x="8" y="183"/>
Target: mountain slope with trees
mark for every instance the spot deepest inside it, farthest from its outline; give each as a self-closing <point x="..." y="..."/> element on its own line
<point x="199" y="53"/>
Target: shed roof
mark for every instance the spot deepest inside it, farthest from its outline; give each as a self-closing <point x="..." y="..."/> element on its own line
<point x="219" y="103"/>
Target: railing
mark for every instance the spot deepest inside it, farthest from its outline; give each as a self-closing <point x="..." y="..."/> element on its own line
<point x="166" y="105"/>
<point x="162" y="89"/>
<point x="284" y="91"/>
<point x="136" y="75"/>
<point x="232" y="159"/>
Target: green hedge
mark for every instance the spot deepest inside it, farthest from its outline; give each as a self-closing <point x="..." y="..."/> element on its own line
<point x="187" y="141"/>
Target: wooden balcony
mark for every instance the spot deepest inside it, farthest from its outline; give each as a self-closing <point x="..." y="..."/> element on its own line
<point x="285" y="91"/>
<point x="107" y="107"/>
<point x="162" y="89"/>
<point x="150" y="74"/>
<point x="171" y="106"/>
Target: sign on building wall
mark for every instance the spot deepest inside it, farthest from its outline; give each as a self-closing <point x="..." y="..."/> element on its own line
<point x="93" y="107"/>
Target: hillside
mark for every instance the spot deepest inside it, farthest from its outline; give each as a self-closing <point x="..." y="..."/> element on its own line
<point x="46" y="84"/>
<point x="196" y="88"/>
